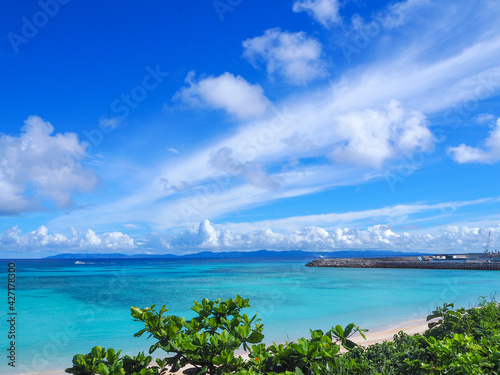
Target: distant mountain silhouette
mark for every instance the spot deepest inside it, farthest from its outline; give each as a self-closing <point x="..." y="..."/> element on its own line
<point x="246" y="254"/>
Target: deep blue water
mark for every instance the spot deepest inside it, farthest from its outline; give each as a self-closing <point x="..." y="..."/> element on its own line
<point x="66" y="308"/>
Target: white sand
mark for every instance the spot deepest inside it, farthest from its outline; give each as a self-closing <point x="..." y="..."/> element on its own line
<point x="411" y="328"/>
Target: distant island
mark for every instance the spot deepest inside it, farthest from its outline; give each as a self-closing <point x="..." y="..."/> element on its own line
<point x="245" y="254"/>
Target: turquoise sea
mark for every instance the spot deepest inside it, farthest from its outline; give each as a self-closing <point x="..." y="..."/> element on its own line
<point x="66" y="308"/>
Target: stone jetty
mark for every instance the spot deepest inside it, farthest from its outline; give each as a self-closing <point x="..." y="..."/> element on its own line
<point x="406" y="262"/>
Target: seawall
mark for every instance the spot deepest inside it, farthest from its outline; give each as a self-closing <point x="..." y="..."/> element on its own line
<point x="372" y="263"/>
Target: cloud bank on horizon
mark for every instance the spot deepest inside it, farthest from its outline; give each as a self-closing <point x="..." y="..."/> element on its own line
<point x="352" y="127"/>
<point x="207" y="237"/>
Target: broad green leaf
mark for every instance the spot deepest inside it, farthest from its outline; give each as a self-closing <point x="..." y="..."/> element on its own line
<point x="255" y="338"/>
<point x="103" y="369"/>
<point x="136" y="312"/>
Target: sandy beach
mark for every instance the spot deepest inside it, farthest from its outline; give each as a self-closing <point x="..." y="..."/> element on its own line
<point x="411" y="328"/>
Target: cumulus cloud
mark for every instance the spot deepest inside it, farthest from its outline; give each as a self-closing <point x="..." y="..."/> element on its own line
<point x="451" y="238"/>
<point x="250" y="172"/>
<point x="425" y="71"/>
<point x="326" y="12"/>
<point x="370" y="137"/>
<point x="489" y="154"/>
<point x="207" y="235"/>
<point x="42" y="240"/>
<point x="293" y="56"/>
<point x="38" y="165"/>
<point x="230" y="93"/>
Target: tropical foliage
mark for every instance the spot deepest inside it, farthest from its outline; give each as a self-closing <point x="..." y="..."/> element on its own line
<point x="458" y="341"/>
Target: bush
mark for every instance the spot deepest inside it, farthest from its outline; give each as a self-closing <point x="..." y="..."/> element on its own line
<point x="404" y="355"/>
<point x="206" y="342"/>
<point x="462" y="341"/>
<point x="108" y="362"/>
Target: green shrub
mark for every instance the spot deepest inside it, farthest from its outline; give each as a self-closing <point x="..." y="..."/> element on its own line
<point x="208" y="341"/>
<point x="462" y="355"/>
<point x="108" y="362"/>
<point x="461" y="341"/>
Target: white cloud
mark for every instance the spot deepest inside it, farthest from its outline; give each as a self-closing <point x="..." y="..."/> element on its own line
<point x="92" y="239"/>
<point x="341" y="230"/>
<point x="227" y="92"/>
<point x="326" y="12"/>
<point x="397" y="14"/>
<point x="484" y="118"/>
<point x="429" y="75"/>
<point x="293" y="56"/>
<point x="41" y="240"/>
<point x="117" y="241"/>
<point x="390" y="215"/>
<point x="450" y="238"/>
<point x="250" y="172"/>
<point x="371" y="137"/>
<point x="207" y="235"/>
<point x="489" y="154"/>
<point x="37" y="166"/>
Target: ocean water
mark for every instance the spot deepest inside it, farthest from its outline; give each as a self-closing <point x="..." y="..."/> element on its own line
<point x="66" y="308"/>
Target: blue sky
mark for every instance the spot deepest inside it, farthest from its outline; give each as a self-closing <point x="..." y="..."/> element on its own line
<point x="170" y="127"/>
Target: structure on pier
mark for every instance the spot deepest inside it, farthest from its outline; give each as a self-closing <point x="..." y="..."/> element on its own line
<point x="471" y="261"/>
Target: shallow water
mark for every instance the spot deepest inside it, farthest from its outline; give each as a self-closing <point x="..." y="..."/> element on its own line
<point x="66" y="308"/>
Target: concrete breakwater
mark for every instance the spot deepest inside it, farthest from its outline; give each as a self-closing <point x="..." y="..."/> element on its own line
<point x="389" y="263"/>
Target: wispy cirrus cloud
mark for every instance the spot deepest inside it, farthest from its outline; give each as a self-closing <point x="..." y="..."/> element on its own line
<point x="412" y="76"/>
<point x="401" y="214"/>
<point x="252" y="173"/>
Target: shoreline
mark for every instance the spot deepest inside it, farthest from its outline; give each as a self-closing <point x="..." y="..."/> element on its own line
<point x="385" y="334"/>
